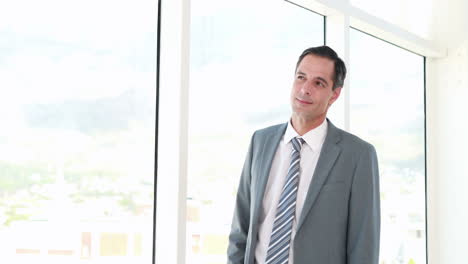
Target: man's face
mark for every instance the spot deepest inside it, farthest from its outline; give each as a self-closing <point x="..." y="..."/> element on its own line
<point x="312" y="92"/>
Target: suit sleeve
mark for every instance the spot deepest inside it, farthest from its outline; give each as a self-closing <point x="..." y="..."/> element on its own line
<point x="364" y="211"/>
<point x="241" y="219"/>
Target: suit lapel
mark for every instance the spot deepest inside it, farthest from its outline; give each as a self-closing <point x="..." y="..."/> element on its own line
<point x="266" y="155"/>
<point x="327" y="158"/>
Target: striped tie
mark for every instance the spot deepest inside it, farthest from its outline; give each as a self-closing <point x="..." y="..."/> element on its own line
<point x="278" y="249"/>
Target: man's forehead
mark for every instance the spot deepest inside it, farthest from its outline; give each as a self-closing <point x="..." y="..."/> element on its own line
<point x="316" y="64"/>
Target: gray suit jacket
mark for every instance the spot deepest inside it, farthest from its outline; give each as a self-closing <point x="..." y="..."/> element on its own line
<point x="340" y="221"/>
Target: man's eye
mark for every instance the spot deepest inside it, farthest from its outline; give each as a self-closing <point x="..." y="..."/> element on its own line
<point x="320" y="84"/>
<point x="300" y="77"/>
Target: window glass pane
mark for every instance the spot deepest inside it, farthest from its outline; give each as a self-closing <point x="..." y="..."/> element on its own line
<point x="387" y="108"/>
<point x="77" y="137"/>
<point x="243" y="55"/>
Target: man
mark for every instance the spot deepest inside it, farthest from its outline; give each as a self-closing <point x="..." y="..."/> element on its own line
<point x="309" y="192"/>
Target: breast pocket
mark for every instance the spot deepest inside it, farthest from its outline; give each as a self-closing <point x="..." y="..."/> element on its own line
<point x="338" y="186"/>
<point x="333" y="200"/>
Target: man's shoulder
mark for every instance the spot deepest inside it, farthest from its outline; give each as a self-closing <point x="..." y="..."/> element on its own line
<point x="270" y="131"/>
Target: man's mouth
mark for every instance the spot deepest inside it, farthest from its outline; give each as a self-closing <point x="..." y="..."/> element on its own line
<point x="303" y="101"/>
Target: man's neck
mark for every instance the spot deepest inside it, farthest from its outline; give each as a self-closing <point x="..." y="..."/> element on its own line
<point x="303" y="125"/>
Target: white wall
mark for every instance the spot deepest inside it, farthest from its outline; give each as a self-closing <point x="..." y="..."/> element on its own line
<point x="447" y="114"/>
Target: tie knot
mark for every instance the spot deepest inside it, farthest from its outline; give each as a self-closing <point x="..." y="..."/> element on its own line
<point x="297" y="143"/>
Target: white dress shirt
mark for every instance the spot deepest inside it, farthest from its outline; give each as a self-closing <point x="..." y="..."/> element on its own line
<point x="309" y="156"/>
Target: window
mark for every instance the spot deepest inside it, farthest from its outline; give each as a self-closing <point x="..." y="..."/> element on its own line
<point x="77" y="138"/>
<point x="241" y="73"/>
<point x="387" y="109"/>
<point x="78" y="117"/>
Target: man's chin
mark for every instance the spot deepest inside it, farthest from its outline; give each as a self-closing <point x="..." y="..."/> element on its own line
<point x="300" y="108"/>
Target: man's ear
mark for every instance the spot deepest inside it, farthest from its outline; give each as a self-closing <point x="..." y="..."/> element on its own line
<point x="336" y="93"/>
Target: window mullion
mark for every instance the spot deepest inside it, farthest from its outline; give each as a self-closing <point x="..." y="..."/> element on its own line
<point x="173" y="125"/>
<point x="337" y="37"/>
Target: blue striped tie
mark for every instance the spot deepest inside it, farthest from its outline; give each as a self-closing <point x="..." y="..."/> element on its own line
<point x="278" y="249"/>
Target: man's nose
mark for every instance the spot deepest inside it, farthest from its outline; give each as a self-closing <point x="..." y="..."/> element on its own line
<point x="307" y="87"/>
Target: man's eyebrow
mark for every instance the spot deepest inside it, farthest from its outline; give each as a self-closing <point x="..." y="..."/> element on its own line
<point x="323" y="80"/>
<point x="319" y="78"/>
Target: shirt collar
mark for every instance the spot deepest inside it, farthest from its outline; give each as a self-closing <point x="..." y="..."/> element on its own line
<point x="314" y="138"/>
